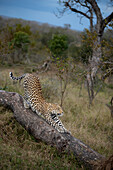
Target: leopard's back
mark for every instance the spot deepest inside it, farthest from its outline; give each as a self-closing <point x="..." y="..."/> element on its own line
<point x="32" y="85"/>
<point x="33" y="93"/>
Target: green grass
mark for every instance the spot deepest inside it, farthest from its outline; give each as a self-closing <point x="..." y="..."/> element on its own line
<point x="91" y="125"/>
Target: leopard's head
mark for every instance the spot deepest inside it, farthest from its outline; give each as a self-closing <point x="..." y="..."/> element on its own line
<point x="55" y="109"/>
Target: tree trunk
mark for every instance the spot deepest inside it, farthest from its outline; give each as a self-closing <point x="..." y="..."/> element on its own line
<point x="97" y="54"/>
<point x="93" y="67"/>
<point x="41" y="130"/>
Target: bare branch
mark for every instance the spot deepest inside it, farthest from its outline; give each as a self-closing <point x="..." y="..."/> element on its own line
<point x="75" y="10"/>
<point x="107" y="20"/>
<point x="96" y="8"/>
<point x="84" y="5"/>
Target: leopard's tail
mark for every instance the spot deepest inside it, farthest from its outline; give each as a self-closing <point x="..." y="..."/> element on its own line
<point x="16" y="78"/>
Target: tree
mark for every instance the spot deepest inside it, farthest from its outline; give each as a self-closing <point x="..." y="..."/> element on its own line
<point x="6" y="35"/>
<point x="20" y="42"/>
<point x="14" y="42"/>
<point x="25" y="28"/>
<point x="89" y="9"/>
<point x="58" y="46"/>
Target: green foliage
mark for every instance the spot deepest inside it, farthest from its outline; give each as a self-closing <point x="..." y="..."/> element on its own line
<point x="86" y="47"/>
<point x="25" y="28"/>
<point x="58" y="45"/>
<point x="20" y="40"/>
<point x="6" y="35"/>
<point x="40" y="39"/>
<point x="14" y="43"/>
<point x="39" y="35"/>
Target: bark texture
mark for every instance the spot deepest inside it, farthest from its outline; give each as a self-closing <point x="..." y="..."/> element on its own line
<point x="41" y="130"/>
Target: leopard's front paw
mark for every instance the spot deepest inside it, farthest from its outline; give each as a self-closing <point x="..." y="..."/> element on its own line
<point x="68" y="132"/>
<point x="64" y="131"/>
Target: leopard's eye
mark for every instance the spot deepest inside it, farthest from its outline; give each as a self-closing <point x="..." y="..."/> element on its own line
<point x="60" y="114"/>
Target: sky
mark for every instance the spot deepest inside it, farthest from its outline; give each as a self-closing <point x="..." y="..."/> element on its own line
<point x="44" y="11"/>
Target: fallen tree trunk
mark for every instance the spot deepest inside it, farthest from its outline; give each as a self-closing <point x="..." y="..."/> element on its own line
<point x="41" y="130"/>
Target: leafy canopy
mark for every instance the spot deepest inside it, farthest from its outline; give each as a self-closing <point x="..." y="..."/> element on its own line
<point x="20" y="40"/>
<point x="58" y="45"/>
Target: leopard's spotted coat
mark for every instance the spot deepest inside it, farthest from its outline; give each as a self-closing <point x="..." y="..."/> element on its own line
<point x="33" y="99"/>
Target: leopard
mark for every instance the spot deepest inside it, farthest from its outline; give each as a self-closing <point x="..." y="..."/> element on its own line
<point x="33" y="98"/>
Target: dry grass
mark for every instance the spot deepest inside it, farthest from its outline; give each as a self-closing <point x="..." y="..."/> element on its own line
<point x="19" y="150"/>
<point x="91" y="125"/>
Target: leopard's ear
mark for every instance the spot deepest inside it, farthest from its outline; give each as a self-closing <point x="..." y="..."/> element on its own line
<point x="59" y="105"/>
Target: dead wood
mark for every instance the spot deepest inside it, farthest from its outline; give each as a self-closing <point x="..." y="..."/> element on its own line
<point x="42" y="131"/>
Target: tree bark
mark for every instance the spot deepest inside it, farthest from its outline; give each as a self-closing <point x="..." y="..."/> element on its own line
<point x="41" y="130"/>
<point x="94" y="67"/>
